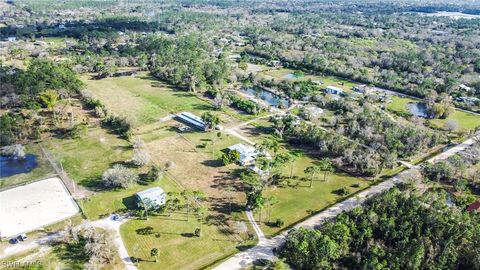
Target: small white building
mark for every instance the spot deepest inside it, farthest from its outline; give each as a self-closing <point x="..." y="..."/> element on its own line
<point x="155" y="195"/>
<point x="465" y="88"/>
<point x="333" y="90"/>
<point x="247" y="153"/>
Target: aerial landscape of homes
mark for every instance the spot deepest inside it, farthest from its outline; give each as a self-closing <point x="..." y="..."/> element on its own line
<point x="197" y="134"/>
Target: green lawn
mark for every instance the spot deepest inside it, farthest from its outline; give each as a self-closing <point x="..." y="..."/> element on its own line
<point x="178" y="248"/>
<point x="297" y="203"/>
<point x="466" y="121"/>
<point x="43" y="170"/>
<point x="85" y="159"/>
<point x="110" y="201"/>
<point x="143" y="99"/>
<point x="326" y="80"/>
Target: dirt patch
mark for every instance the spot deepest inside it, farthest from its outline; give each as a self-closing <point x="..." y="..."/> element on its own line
<point x="196" y="170"/>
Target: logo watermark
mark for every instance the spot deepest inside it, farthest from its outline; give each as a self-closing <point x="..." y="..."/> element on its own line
<point x="17" y="264"/>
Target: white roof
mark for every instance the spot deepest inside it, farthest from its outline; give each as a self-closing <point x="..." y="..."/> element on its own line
<point x="335" y="88"/>
<point x="246" y="152"/>
<point x="151" y="193"/>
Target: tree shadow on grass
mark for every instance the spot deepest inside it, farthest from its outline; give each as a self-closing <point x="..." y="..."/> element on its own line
<point x="130" y="202"/>
<point x="202" y="107"/>
<point x="215" y="163"/>
<point x="72" y="254"/>
<point x="93" y="184"/>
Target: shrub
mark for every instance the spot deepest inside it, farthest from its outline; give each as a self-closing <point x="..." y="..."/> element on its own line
<point x="154" y="173"/>
<point x="117" y="125"/>
<point x="230" y="157"/>
<point x="119" y="176"/>
<point x="198" y="232"/>
<point x="140" y="157"/>
<point x="77" y="131"/>
<point x="279" y="222"/>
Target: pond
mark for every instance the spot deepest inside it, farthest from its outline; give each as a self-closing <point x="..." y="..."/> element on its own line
<point x="269" y="97"/>
<point x="291" y="76"/>
<point x="418" y="109"/>
<point x="10" y="166"/>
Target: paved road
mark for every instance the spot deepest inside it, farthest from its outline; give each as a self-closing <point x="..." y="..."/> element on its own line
<point x="43" y="242"/>
<point x="25" y="246"/>
<point x="264" y="249"/>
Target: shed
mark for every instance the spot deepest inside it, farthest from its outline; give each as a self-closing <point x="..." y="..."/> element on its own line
<point x="192" y="120"/>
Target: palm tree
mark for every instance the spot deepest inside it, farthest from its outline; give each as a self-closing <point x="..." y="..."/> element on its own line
<point x="312" y="171"/>
<point x="49" y="98"/>
<point x="326" y="166"/>
<point x="271" y="201"/>
<point x="202" y="213"/>
<point x="154" y="253"/>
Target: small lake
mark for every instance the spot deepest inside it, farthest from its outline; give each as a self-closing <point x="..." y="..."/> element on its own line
<point x="291" y="76"/>
<point x="268" y="97"/>
<point x="418" y="109"/>
<point x="10" y="166"/>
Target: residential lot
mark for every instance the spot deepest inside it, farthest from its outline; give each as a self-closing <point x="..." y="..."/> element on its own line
<point x="31" y="206"/>
<point x="464" y="120"/>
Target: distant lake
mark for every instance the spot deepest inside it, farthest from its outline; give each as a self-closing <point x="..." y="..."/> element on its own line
<point x="267" y="96"/>
<point x="418" y="109"/>
<point x="10" y="166"/>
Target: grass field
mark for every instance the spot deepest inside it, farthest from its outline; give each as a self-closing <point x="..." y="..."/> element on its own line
<point x="143" y="99"/>
<point x="178" y="247"/>
<point x="110" y="201"/>
<point x="279" y="74"/>
<point x="297" y="203"/>
<point x="85" y="159"/>
<point x="42" y="171"/>
<point x="466" y="121"/>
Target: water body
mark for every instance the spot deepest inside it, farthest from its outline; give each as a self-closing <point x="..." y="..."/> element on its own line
<point x="268" y="97"/>
<point x="418" y="109"/>
<point x="10" y="166"/>
<point x="290" y="76"/>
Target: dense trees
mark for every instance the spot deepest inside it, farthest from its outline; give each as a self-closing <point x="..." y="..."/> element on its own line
<point x="397" y="230"/>
<point x="461" y="172"/>
<point x="184" y="61"/>
<point x="24" y="88"/>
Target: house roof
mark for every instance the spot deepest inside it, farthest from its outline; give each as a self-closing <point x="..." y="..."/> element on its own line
<point x="334" y="88"/>
<point x="474" y="206"/>
<point x="151" y="193"/>
<point x="246" y="151"/>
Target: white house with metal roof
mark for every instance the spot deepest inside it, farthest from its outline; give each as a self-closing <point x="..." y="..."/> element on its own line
<point x="247" y="153"/>
<point x="155" y="195"/>
<point x="333" y="90"/>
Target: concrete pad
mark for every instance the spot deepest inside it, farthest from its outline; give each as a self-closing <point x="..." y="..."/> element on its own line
<point x="29" y="207"/>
